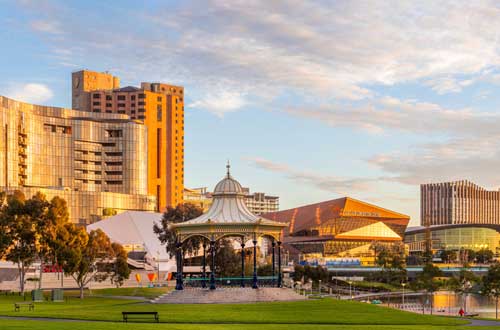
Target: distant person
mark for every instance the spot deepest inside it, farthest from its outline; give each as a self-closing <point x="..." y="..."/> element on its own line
<point x="461" y="312"/>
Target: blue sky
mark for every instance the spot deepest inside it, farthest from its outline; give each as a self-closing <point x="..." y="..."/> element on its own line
<point x="308" y="100"/>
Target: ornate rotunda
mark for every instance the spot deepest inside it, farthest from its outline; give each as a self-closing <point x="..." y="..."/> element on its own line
<point x="229" y="216"/>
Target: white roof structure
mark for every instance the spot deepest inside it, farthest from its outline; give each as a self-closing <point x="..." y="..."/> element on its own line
<point x="134" y="228"/>
<point x="229" y="214"/>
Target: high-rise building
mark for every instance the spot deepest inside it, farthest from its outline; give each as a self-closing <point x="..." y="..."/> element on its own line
<point x="260" y="203"/>
<point x="458" y="202"/>
<point x="257" y="203"/>
<point x="160" y="107"/>
<point x="92" y="160"/>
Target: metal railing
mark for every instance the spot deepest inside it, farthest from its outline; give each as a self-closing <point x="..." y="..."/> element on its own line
<point x="262" y="281"/>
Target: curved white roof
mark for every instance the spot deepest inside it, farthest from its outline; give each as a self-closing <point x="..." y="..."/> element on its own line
<point x="229" y="206"/>
<point x="136" y="228"/>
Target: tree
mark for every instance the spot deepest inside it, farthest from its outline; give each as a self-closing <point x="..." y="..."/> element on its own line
<point x="428" y="281"/>
<point x="392" y="260"/>
<point x="227" y="261"/>
<point x="20" y="235"/>
<point x="462" y="283"/>
<point x="484" y="256"/>
<point x="491" y="284"/>
<point x="92" y="257"/>
<point x="181" y="213"/>
<point x="121" y="271"/>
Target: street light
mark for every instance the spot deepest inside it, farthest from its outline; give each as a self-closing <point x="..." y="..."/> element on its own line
<point x="403" y="285"/>
<point x="319" y="286"/>
<point x="158" y="265"/>
<point x="350" y="290"/>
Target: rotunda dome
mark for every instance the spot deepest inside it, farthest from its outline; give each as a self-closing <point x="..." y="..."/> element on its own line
<point x="228" y="185"/>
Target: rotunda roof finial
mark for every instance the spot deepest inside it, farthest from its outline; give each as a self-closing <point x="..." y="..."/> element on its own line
<point x="228" y="166"/>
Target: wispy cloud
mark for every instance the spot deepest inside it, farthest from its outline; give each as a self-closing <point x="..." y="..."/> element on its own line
<point x="30" y="92"/>
<point x="323" y="51"/>
<point x="336" y="184"/>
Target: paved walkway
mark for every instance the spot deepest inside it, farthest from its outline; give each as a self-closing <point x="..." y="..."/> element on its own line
<point x="474" y="322"/>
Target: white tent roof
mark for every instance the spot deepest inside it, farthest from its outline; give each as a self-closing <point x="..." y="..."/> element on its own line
<point x="136" y="228"/>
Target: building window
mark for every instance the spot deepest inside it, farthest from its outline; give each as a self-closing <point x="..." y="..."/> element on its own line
<point x="158" y="152"/>
<point x="158" y="112"/>
<point x="121" y="105"/>
<point x="96" y="103"/>
<point x="142" y="96"/>
<point x="109" y="97"/>
<point x="158" y="98"/>
<point x="141" y="103"/>
<point x="114" y="133"/>
<point x="96" y="96"/>
<point x="109" y="105"/>
<point x="121" y="97"/>
<point x="132" y="97"/>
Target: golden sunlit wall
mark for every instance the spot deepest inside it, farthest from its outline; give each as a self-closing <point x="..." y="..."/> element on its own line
<point x="161" y="108"/>
<point x="94" y="160"/>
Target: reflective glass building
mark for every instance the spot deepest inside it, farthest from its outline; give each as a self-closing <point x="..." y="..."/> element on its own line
<point x="455" y="237"/>
<point x="340" y="228"/>
<point x="96" y="162"/>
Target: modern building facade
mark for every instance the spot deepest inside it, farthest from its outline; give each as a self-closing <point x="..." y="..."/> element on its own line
<point x="458" y="202"/>
<point x="339" y="228"/>
<point x="454" y="237"/>
<point x="258" y="203"/>
<point x="92" y="160"/>
<point x="160" y="107"/>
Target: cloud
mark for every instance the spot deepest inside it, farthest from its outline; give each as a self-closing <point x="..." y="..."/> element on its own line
<point x="392" y="115"/>
<point x="220" y="103"/>
<point x="321" y="51"/>
<point x="46" y="26"/>
<point x="324" y="182"/>
<point x="30" y="93"/>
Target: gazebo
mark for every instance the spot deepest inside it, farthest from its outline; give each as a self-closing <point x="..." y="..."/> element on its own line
<point x="228" y="216"/>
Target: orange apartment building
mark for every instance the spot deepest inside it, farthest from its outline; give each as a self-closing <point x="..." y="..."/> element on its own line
<point x="160" y="107"/>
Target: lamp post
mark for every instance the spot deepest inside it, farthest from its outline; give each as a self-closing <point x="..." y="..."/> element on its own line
<point x="319" y="289"/>
<point x="350" y="290"/>
<point x="403" y="285"/>
<point x="158" y="265"/>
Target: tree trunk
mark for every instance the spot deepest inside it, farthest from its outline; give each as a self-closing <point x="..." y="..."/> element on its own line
<point x="40" y="276"/>
<point x="81" y="291"/>
<point x="21" y="277"/>
<point x="432" y="302"/>
<point x="496" y="308"/>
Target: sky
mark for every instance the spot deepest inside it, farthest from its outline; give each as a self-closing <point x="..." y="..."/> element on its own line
<point x="309" y="101"/>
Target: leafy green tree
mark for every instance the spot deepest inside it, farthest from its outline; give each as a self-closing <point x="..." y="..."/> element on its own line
<point x="181" y="213"/>
<point x="227" y="261"/>
<point x="462" y="283"/>
<point x="121" y="271"/>
<point x="428" y="280"/>
<point x="484" y="256"/>
<point x="93" y="258"/>
<point x="448" y="256"/>
<point x="491" y="285"/>
<point x="20" y="235"/>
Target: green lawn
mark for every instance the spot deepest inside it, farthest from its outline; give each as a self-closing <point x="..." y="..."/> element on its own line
<point x="44" y="325"/>
<point x="311" y="314"/>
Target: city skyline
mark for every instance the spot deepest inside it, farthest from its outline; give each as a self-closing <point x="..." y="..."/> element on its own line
<point x="309" y="102"/>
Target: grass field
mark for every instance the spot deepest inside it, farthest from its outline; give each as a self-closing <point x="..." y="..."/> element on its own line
<point x="313" y="314"/>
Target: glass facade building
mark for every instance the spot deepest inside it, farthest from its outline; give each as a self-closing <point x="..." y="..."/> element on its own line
<point x="340" y="228"/>
<point x="94" y="161"/>
<point x="455" y="237"/>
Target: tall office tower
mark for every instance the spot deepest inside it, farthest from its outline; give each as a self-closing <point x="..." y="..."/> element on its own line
<point x="160" y="107"/>
<point x="458" y="202"/>
<point x="91" y="160"/>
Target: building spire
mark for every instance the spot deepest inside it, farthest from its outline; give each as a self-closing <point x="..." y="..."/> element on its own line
<point x="228" y="166"/>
